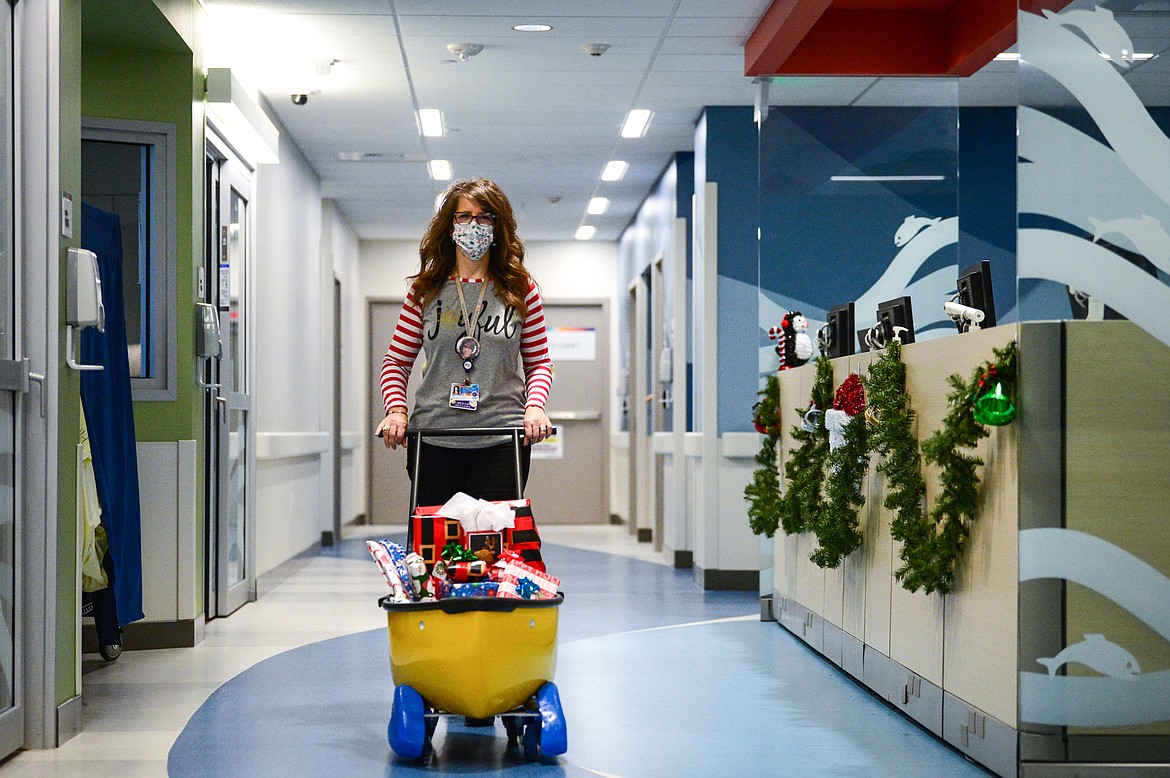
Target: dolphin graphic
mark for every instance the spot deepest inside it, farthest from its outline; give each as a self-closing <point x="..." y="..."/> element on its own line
<point x="1146" y="235"/>
<point x="1096" y="653"/>
<point x="1102" y="31"/>
<point x="911" y="227"/>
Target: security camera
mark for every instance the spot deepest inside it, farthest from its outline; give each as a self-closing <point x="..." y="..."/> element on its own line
<point x="299" y="99"/>
<point x="595" y="49"/>
<point x="964" y="315"/>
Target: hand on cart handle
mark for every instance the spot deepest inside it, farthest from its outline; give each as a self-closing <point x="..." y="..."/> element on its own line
<point x="392" y="428"/>
<point x="537" y="427"/>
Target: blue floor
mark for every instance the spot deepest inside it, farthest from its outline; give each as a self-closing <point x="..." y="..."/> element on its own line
<point x="656" y="677"/>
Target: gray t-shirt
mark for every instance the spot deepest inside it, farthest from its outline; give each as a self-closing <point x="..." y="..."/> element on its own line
<point x="496" y="370"/>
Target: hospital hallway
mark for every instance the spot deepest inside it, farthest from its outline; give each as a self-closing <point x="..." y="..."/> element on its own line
<point x="656" y="676"/>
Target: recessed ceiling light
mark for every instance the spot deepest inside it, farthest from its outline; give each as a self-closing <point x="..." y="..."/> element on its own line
<point x="615" y="170"/>
<point x="430" y="122"/>
<point x="532" y="27"/>
<point x="636" y="121"/>
<point x="1007" y="56"/>
<point x="585" y="232"/>
<point x="597" y="205"/>
<point x="440" y="169"/>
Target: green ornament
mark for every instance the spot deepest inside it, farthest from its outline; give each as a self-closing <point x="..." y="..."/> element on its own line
<point x="994" y="407"/>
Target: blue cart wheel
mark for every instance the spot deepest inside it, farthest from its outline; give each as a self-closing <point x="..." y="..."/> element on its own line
<point x="554" y="739"/>
<point x="407" y="731"/>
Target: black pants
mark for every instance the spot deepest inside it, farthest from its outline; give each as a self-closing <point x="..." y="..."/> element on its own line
<point x="487" y="473"/>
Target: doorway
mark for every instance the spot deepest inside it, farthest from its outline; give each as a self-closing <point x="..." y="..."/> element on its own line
<point x="228" y="403"/>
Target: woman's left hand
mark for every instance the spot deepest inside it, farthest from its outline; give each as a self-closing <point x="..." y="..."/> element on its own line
<point x="537" y="427"/>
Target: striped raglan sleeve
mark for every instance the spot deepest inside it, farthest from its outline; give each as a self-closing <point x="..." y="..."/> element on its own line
<point x="401" y="354"/>
<point x="534" y="352"/>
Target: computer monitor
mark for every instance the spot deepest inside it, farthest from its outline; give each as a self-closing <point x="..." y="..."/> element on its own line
<point x="975" y="291"/>
<point x="896" y="313"/>
<point x="841" y="322"/>
<point x="862" y="346"/>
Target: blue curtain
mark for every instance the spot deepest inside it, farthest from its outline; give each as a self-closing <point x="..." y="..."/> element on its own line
<point x="109" y="414"/>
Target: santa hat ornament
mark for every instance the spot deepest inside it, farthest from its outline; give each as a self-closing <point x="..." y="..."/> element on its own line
<point x="848" y="403"/>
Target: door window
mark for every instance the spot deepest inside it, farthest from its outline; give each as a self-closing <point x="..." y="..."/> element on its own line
<point x="127" y="168"/>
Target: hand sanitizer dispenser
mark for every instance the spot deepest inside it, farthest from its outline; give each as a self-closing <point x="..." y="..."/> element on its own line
<point x="83" y="300"/>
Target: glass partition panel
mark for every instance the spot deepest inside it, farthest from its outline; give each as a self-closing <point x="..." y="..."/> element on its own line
<point x="1094" y="252"/>
<point x="858" y="203"/>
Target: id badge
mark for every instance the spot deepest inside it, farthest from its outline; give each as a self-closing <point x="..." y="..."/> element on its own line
<point x="464" y="397"/>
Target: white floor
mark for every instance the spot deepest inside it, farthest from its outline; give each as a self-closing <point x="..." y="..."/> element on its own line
<point x="135" y="708"/>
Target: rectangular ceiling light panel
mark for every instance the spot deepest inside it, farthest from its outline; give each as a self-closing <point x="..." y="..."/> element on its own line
<point x="615" y="170"/>
<point x="636" y="122"/>
<point x="430" y="122"/>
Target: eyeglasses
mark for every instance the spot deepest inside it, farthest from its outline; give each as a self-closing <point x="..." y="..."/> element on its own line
<point x="485" y="219"/>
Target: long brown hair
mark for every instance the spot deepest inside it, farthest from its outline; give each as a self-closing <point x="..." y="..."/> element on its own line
<point x="505" y="256"/>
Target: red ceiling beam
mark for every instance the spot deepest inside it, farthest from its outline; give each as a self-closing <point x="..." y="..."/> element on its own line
<point x="782" y="27"/>
<point x="879" y="38"/>
<point x="976" y="31"/>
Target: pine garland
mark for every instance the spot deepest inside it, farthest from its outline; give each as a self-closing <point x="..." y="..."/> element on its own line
<point x="805" y="468"/>
<point x="836" y="525"/>
<point x="763" y="493"/>
<point x="894" y="440"/>
<point x="957" y="506"/>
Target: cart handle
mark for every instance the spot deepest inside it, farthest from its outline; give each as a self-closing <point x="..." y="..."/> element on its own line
<point x="516" y="434"/>
<point x="460" y="432"/>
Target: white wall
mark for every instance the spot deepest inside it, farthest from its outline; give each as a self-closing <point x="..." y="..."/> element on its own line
<point x="300" y="242"/>
<point x="341" y="248"/>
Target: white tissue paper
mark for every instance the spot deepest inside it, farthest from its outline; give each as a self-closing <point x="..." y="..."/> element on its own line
<point x="476" y="515"/>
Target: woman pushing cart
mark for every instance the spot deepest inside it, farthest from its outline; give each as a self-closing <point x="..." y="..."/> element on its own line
<point x="480" y="405"/>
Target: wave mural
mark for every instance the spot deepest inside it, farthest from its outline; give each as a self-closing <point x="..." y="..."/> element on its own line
<point x="1121" y="695"/>
<point x="1115" y="192"/>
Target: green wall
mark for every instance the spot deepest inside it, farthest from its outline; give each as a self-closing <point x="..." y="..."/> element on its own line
<point x="156" y="86"/>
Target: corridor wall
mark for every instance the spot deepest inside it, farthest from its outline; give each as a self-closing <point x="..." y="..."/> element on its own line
<point x="654" y="255"/>
<point x="302" y="244"/>
<point x="724" y="304"/>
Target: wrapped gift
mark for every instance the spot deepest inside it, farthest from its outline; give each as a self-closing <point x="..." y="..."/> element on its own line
<point x="430" y="532"/>
<point x="486" y="545"/>
<point x="397" y="553"/>
<point x="516" y="588"/>
<point x="519" y="580"/>
<point x="477" y="589"/>
<point x="437" y="580"/>
<point x="465" y="572"/>
<point x="398" y="587"/>
<point x="523" y="537"/>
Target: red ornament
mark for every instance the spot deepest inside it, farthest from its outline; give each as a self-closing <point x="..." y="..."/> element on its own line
<point x="850" y="396"/>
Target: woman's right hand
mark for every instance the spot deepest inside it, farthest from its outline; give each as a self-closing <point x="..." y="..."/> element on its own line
<point x="392" y="429"/>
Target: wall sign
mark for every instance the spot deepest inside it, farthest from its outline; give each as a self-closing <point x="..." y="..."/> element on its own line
<point x="572" y="344"/>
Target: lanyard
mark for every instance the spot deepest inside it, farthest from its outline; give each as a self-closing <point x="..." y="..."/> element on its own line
<point x="471" y="338"/>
